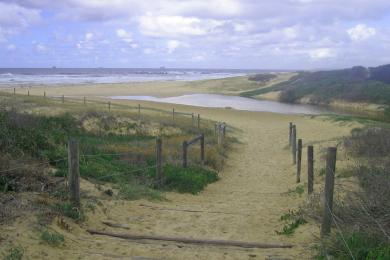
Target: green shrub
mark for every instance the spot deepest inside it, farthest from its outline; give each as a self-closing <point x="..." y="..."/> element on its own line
<point x="300" y="189"/>
<point x="134" y="191"/>
<point x="293" y="220"/>
<point x="52" y="238"/>
<point x="192" y="179"/>
<point x="15" y="253"/>
<point x="68" y="210"/>
<point x="362" y="246"/>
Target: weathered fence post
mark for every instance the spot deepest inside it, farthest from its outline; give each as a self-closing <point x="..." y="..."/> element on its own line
<point x="329" y="188"/>
<point x="44" y="94"/>
<point x="139" y="112"/>
<point x="185" y="145"/>
<point x="28" y="93"/>
<point x="198" y="121"/>
<point x="216" y="128"/>
<point x="14" y="91"/>
<point x="310" y="169"/>
<point x="193" y="119"/>
<point x="290" y="134"/>
<point x="159" y="176"/>
<point x="74" y="172"/>
<point x="202" y="149"/>
<point x="63" y="99"/>
<point x="109" y="106"/>
<point x="299" y="162"/>
<point x="224" y="130"/>
<point x="85" y="101"/>
<point x="173" y="114"/>
<point x="294" y="144"/>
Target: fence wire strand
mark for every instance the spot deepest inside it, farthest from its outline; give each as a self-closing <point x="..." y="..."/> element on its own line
<point x="333" y="216"/>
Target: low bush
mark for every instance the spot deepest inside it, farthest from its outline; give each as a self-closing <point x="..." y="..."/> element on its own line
<point x="52" y="238"/>
<point x="192" y="179"/>
<point x="361" y="245"/>
<point x="133" y="191"/>
<point x="15" y="253"/>
<point x="292" y="219"/>
<point x="68" y="210"/>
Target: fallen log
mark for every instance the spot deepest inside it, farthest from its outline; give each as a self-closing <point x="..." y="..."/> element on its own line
<point x="115" y="225"/>
<point x="191" y="240"/>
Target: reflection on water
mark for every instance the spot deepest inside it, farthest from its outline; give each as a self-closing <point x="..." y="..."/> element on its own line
<point x="239" y="103"/>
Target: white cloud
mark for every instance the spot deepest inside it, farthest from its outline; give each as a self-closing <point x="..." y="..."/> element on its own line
<point x="89" y="36"/>
<point x="166" y="26"/>
<point x="148" y="51"/>
<point x="124" y="35"/>
<point x="290" y="33"/>
<point x="11" y="47"/>
<point x="41" y="47"/>
<point x="361" y="32"/>
<point x="14" y="18"/>
<point x="172" y="45"/>
<point x="322" y="53"/>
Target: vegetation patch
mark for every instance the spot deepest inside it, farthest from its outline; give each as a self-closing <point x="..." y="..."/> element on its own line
<point x="192" y="179"/>
<point x="68" y="210"/>
<point x="300" y="189"/>
<point x="362" y="246"/>
<point x="15" y="253"/>
<point x="133" y="191"/>
<point x="52" y="238"/>
<point x="292" y="219"/>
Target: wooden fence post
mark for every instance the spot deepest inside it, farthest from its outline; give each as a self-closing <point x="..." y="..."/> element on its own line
<point x="294" y="144"/>
<point x="173" y="114"/>
<point x="85" y="101"/>
<point x="109" y="106"/>
<point x="224" y="130"/>
<point x="202" y="149"/>
<point x="198" y="121"/>
<point x="14" y="91"/>
<point x="299" y="162"/>
<point x="44" y="94"/>
<point x="185" y="145"/>
<point x="216" y="127"/>
<point x="290" y="134"/>
<point x="139" y="112"/>
<point x="329" y="188"/>
<point x="193" y="119"/>
<point x="63" y="99"/>
<point x="159" y="176"/>
<point x="310" y="169"/>
<point x="74" y="172"/>
<point x="28" y="93"/>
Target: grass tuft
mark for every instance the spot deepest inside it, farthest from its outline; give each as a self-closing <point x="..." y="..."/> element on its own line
<point x="52" y="238"/>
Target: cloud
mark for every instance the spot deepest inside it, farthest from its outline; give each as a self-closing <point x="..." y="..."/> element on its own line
<point x="172" y="45"/>
<point x="41" y="47"/>
<point x="361" y="32"/>
<point x="11" y="47"/>
<point x="15" y="18"/>
<point x="89" y="36"/>
<point x="124" y="35"/>
<point x="168" y="26"/>
<point x="322" y="53"/>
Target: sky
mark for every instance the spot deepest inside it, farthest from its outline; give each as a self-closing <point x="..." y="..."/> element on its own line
<point x="242" y="34"/>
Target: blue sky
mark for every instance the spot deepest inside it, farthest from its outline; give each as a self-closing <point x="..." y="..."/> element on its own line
<point x="266" y="34"/>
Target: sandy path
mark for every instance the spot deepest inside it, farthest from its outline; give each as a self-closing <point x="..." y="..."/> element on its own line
<point x="244" y="205"/>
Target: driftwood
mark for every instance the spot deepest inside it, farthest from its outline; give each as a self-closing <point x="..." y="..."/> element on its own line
<point x="115" y="225"/>
<point x="192" y="211"/>
<point x="191" y="240"/>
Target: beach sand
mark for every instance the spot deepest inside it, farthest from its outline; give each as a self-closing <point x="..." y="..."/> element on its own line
<point x="245" y="204"/>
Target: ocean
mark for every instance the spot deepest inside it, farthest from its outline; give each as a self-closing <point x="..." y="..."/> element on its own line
<point x="69" y="76"/>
